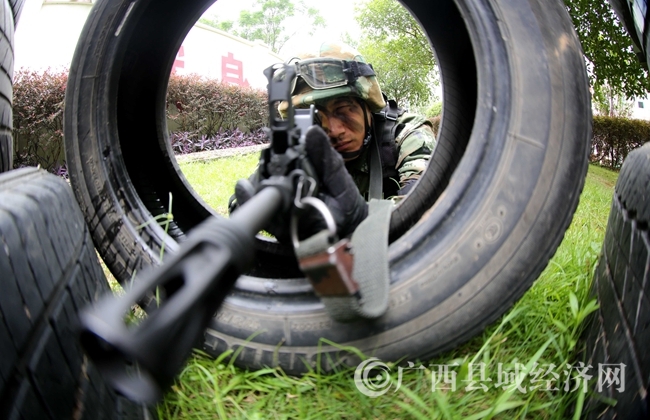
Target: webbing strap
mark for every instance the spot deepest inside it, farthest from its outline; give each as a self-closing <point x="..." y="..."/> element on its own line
<point x="376" y="187"/>
<point x="370" y="271"/>
<point x="385" y="125"/>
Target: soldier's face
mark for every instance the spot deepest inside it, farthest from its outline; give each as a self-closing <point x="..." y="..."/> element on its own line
<point x="342" y="120"/>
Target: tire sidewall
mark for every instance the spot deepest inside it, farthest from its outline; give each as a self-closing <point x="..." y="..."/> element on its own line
<point x="463" y="263"/>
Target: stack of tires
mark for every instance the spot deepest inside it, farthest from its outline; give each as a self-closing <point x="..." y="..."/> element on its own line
<point x="9" y="13"/>
<point x="618" y="336"/>
<point x="466" y="243"/>
<point x="48" y="271"/>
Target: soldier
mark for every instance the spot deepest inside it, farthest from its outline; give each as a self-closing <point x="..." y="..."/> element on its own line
<point x="367" y="147"/>
<point x="354" y="113"/>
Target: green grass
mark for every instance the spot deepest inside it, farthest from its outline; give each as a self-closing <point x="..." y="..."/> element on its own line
<point x="540" y="332"/>
<point x="215" y="180"/>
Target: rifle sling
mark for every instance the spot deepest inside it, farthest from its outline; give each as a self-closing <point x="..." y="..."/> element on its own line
<point x="370" y="269"/>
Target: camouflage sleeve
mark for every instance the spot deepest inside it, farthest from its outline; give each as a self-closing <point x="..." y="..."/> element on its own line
<point x="415" y="143"/>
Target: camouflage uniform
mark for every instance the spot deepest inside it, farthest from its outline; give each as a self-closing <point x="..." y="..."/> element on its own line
<point x="403" y="158"/>
<point x="413" y="146"/>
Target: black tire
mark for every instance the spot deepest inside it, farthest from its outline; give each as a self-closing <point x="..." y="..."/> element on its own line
<point x="16" y="9"/>
<point x="6" y="86"/>
<point x="511" y="160"/>
<point x="619" y="332"/>
<point x="49" y="271"/>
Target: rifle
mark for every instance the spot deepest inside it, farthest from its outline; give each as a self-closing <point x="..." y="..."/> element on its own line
<point x="141" y="361"/>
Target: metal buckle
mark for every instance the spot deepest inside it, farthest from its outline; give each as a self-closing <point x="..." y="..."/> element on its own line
<point x="318" y="205"/>
<point x="329" y="271"/>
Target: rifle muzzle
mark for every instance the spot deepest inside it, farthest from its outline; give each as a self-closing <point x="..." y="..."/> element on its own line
<point x="141" y="360"/>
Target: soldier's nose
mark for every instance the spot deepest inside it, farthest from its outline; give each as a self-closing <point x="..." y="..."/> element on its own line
<point x="336" y="128"/>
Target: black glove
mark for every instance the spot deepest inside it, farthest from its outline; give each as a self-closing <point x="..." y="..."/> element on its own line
<point x="336" y="189"/>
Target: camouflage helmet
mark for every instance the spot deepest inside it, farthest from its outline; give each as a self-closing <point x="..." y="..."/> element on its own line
<point x="365" y="87"/>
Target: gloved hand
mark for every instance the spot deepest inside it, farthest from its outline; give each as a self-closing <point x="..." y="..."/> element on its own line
<point x="336" y="189"/>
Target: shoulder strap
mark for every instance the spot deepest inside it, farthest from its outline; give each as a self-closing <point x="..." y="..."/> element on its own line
<point x="384" y="129"/>
<point x="393" y="112"/>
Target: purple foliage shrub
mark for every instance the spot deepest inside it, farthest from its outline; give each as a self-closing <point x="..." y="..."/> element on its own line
<point x="62" y="171"/>
<point x="182" y="142"/>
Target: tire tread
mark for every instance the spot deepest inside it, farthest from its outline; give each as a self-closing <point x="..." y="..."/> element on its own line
<point x="7" y="18"/>
<point x="43" y="369"/>
<point x="619" y="332"/>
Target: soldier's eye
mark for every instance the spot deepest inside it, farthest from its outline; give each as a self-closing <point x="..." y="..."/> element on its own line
<point x="345" y="109"/>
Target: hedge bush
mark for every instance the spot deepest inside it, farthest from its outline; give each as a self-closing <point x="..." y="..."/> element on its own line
<point x="206" y="115"/>
<point x="206" y="107"/>
<point x="38" y="118"/>
<point x="201" y="114"/>
<point x="614" y="138"/>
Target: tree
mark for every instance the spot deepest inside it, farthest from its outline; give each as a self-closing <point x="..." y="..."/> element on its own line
<point x="395" y="45"/>
<point x="610" y="103"/>
<point x="612" y="65"/>
<point x="225" y="25"/>
<point x="267" y="24"/>
<point x="388" y="19"/>
<point x="409" y="84"/>
<point x="611" y="61"/>
<point x="271" y="22"/>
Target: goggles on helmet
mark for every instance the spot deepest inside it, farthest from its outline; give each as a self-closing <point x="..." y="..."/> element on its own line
<point x="327" y="73"/>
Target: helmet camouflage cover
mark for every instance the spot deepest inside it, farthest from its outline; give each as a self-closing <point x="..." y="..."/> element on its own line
<point x="365" y="87"/>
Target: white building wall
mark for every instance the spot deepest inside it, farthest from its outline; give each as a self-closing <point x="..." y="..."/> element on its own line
<point x="47" y="34"/>
<point x="641" y="109"/>
<point x="48" y="31"/>
<point x="218" y="55"/>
